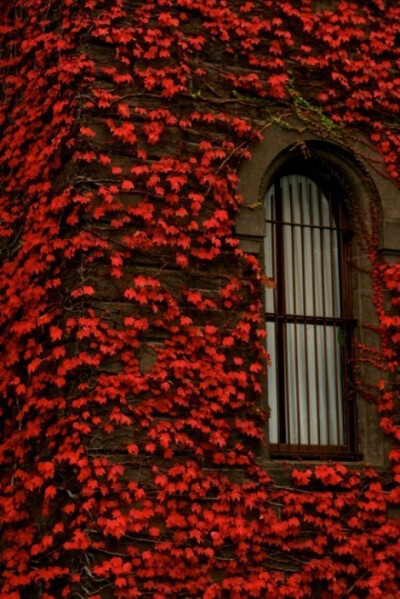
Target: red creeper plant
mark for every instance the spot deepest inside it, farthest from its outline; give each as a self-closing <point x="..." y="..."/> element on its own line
<point x="131" y="324"/>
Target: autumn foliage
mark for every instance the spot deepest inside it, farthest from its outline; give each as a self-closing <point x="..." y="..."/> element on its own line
<point x="131" y="323"/>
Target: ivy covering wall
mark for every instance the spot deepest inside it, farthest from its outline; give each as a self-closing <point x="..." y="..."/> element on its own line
<point x="131" y="325"/>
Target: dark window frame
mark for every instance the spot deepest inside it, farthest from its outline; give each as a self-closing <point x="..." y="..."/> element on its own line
<point x="331" y="188"/>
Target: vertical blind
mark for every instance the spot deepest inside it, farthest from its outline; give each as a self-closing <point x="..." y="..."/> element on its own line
<point x="303" y="316"/>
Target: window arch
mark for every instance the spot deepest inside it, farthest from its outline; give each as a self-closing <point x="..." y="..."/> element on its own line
<point x="345" y="179"/>
<point x="308" y="317"/>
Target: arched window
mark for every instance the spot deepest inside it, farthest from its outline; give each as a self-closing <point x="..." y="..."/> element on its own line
<point x="308" y="318"/>
<point x="300" y="195"/>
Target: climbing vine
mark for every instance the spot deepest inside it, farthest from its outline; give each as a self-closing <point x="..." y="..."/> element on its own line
<point x="131" y="327"/>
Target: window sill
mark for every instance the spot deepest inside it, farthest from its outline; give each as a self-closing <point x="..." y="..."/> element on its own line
<point x="301" y="454"/>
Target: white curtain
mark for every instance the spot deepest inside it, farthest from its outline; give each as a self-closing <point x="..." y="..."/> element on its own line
<point x="307" y="259"/>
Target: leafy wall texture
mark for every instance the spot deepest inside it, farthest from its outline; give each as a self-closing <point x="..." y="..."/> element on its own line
<point x="131" y="324"/>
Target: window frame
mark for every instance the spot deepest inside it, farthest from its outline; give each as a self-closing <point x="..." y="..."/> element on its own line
<point x="329" y="187"/>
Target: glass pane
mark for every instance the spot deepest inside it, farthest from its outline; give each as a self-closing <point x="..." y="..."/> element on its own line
<point x="303" y="245"/>
<point x="315" y="415"/>
<point x="272" y="385"/>
<point x="310" y="248"/>
<point x="269" y="249"/>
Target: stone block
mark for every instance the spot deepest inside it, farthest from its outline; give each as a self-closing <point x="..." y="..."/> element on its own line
<point x="251" y="222"/>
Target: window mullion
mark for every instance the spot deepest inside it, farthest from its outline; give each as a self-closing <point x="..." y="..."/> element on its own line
<point x="280" y="323"/>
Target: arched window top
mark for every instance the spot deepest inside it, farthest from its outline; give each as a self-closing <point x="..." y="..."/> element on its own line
<point x="305" y="202"/>
<point x="302" y="219"/>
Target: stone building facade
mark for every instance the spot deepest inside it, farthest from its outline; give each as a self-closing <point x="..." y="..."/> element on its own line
<point x="178" y="177"/>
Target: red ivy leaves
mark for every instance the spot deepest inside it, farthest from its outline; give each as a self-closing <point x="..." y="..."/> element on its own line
<point x="133" y="336"/>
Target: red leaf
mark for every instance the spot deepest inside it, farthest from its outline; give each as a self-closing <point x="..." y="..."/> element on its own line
<point x="88" y="132"/>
